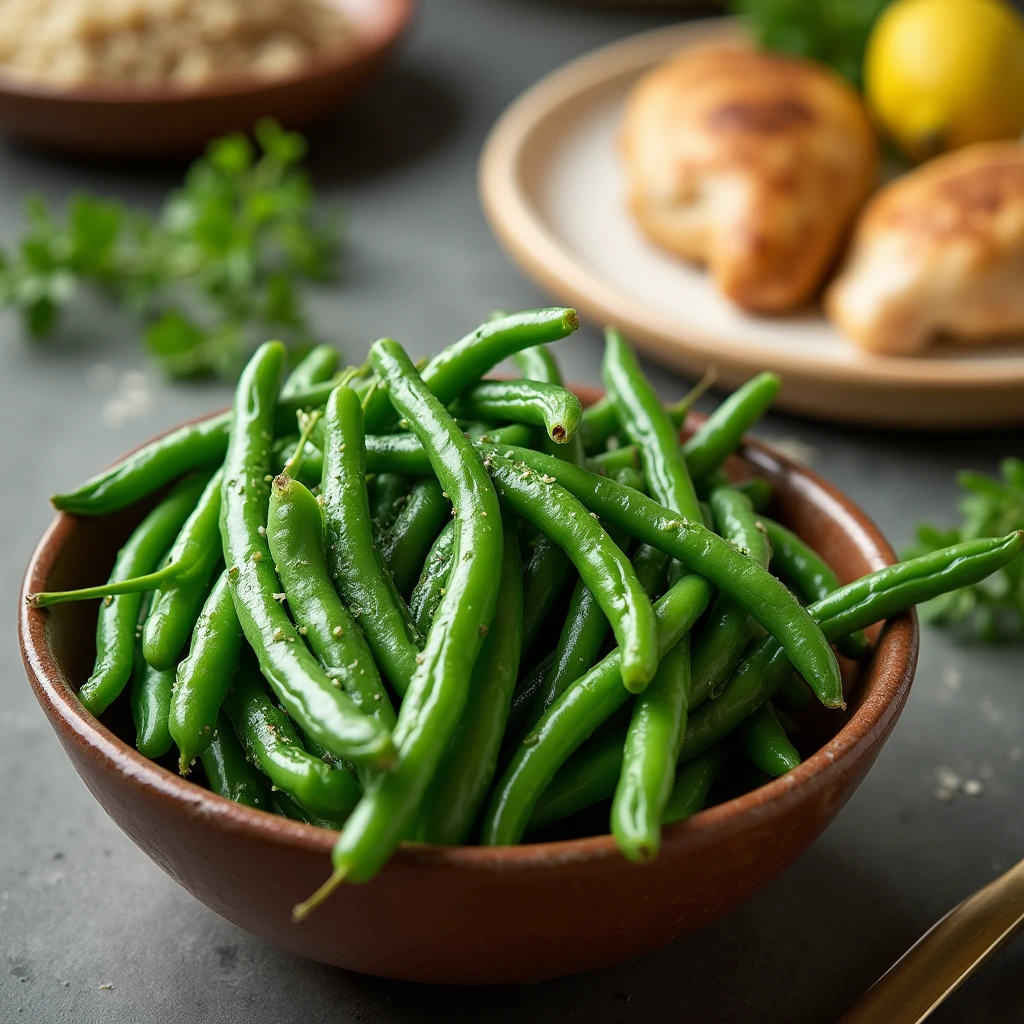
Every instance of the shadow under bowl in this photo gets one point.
(473, 915)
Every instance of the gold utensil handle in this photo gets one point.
(945, 956)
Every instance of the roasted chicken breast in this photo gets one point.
(938, 252)
(751, 163)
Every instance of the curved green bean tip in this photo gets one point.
(302, 910)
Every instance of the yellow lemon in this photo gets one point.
(940, 74)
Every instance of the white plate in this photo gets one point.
(553, 187)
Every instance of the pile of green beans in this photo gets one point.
(419, 605)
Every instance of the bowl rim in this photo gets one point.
(372, 36)
(821, 771)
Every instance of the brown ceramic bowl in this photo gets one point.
(148, 121)
(471, 915)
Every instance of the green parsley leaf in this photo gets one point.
(218, 271)
(992, 610)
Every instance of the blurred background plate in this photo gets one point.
(156, 120)
(553, 188)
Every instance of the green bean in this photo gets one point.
(600, 421)
(546, 571)
(857, 605)
(592, 773)
(118, 616)
(176, 604)
(758, 489)
(229, 772)
(536, 403)
(586, 627)
(467, 768)
(729, 629)
(600, 563)
(649, 427)
(318, 365)
(811, 577)
(751, 586)
(289, 808)
(437, 694)
(463, 363)
(298, 681)
(586, 778)
(414, 530)
(765, 742)
(539, 364)
(403, 454)
(649, 757)
(573, 717)
(608, 463)
(353, 557)
(721, 433)
(390, 492)
(694, 780)
(794, 696)
(195, 446)
(295, 532)
(659, 714)
(272, 743)
(204, 676)
(150, 701)
(630, 477)
(524, 696)
(430, 588)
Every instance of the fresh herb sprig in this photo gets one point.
(994, 609)
(216, 272)
(834, 32)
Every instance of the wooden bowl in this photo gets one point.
(471, 915)
(110, 119)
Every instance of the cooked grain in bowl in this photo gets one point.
(178, 42)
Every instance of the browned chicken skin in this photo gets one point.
(751, 163)
(939, 251)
